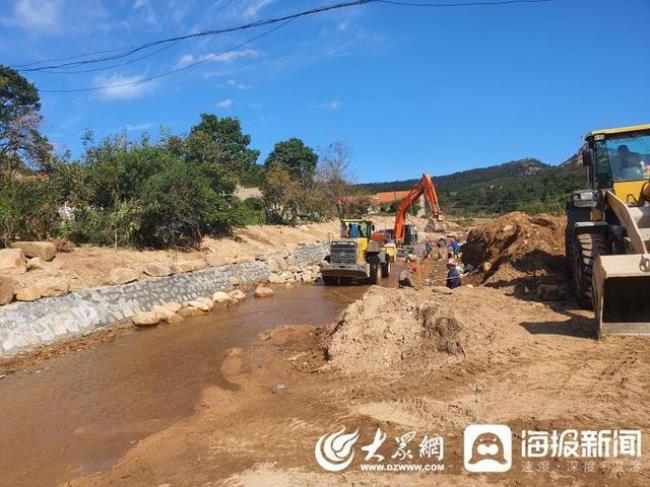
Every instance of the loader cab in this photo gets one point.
(618, 159)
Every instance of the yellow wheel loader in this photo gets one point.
(359, 253)
(608, 230)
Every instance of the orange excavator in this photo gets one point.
(424, 187)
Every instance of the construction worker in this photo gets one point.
(455, 247)
(453, 276)
(406, 276)
(428, 247)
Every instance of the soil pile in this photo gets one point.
(391, 330)
(517, 246)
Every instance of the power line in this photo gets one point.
(127, 51)
(250, 25)
(172, 71)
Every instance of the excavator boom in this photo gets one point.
(424, 187)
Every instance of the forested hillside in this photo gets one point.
(526, 185)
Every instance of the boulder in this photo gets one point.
(35, 263)
(175, 319)
(53, 286)
(189, 311)
(43, 250)
(221, 299)
(204, 304)
(237, 295)
(30, 293)
(277, 265)
(235, 281)
(264, 292)
(276, 279)
(7, 287)
(146, 318)
(123, 275)
(189, 265)
(486, 266)
(158, 269)
(172, 306)
(13, 259)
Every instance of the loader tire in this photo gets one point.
(385, 269)
(586, 248)
(374, 271)
(330, 280)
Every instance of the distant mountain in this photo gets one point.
(525, 185)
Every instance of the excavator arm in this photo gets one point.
(424, 187)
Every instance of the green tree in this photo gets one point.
(21, 144)
(299, 159)
(221, 142)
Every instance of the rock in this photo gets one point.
(275, 279)
(158, 269)
(146, 318)
(221, 299)
(235, 281)
(189, 311)
(204, 304)
(13, 259)
(486, 266)
(279, 389)
(264, 292)
(175, 319)
(237, 295)
(189, 265)
(31, 293)
(43, 250)
(53, 286)
(7, 287)
(123, 275)
(64, 245)
(277, 265)
(441, 290)
(307, 277)
(35, 263)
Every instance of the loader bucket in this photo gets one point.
(621, 290)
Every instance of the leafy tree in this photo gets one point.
(299, 159)
(21, 144)
(332, 175)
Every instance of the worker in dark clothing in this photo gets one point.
(453, 276)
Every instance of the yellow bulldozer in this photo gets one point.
(359, 253)
(608, 230)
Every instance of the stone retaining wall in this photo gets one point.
(27, 325)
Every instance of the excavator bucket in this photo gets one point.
(621, 291)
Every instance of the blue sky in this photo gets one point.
(408, 89)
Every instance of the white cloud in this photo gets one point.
(255, 6)
(38, 13)
(236, 84)
(227, 103)
(118, 87)
(215, 57)
(331, 105)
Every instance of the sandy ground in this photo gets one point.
(407, 360)
(89, 266)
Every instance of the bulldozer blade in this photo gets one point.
(621, 291)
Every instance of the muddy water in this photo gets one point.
(80, 413)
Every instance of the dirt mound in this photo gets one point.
(389, 330)
(517, 246)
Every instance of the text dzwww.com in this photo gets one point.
(402, 467)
